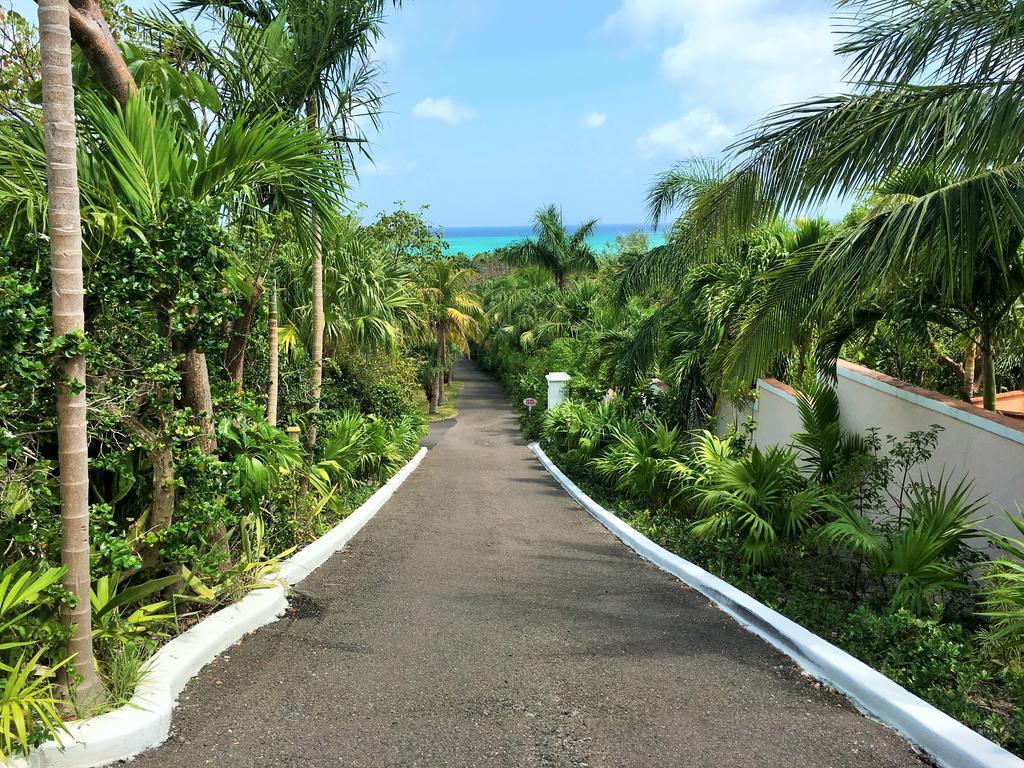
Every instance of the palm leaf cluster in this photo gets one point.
(928, 132)
(554, 248)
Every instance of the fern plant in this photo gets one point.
(759, 498)
(1002, 595)
(824, 445)
(920, 555)
(925, 556)
(640, 462)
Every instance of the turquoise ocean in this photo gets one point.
(474, 240)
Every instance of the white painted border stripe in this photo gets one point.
(936, 406)
(145, 721)
(947, 741)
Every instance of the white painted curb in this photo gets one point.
(949, 742)
(145, 721)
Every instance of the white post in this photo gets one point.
(556, 388)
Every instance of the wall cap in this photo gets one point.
(996, 423)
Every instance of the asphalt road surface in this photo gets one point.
(484, 619)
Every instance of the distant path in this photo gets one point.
(483, 619)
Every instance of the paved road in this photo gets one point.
(483, 619)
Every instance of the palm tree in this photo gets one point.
(139, 162)
(312, 58)
(855, 271)
(936, 89)
(373, 301)
(554, 248)
(65, 228)
(455, 313)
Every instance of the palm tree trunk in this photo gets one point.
(435, 398)
(273, 355)
(317, 352)
(970, 359)
(989, 366)
(234, 355)
(65, 225)
(442, 350)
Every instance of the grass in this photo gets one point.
(446, 411)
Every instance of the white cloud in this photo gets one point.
(740, 58)
(388, 167)
(761, 63)
(387, 51)
(698, 132)
(640, 18)
(644, 18)
(444, 109)
(594, 120)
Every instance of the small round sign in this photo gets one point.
(529, 402)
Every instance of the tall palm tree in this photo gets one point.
(372, 301)
(310, 57)
(455, 313)
(554, 248)
(65, 226)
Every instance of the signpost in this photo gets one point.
(529, 403)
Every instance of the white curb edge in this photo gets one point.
(947, 741)
(145, 721)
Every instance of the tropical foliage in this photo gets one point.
(234, 306)
(876, 549)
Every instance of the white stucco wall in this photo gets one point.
(987, 447)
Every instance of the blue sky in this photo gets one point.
(500, 106)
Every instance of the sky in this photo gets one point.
(498, 107)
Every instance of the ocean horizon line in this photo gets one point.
(472, 240)
(600, 225)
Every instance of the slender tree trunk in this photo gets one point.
(234, 355)
(989, 367)
(317, 353)
(970, 359)
(65, 225)
(429, 392)
(274, 353)
(161, 508)
(196, 395)
(442, 349)
(435, 393)
(91, 32)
